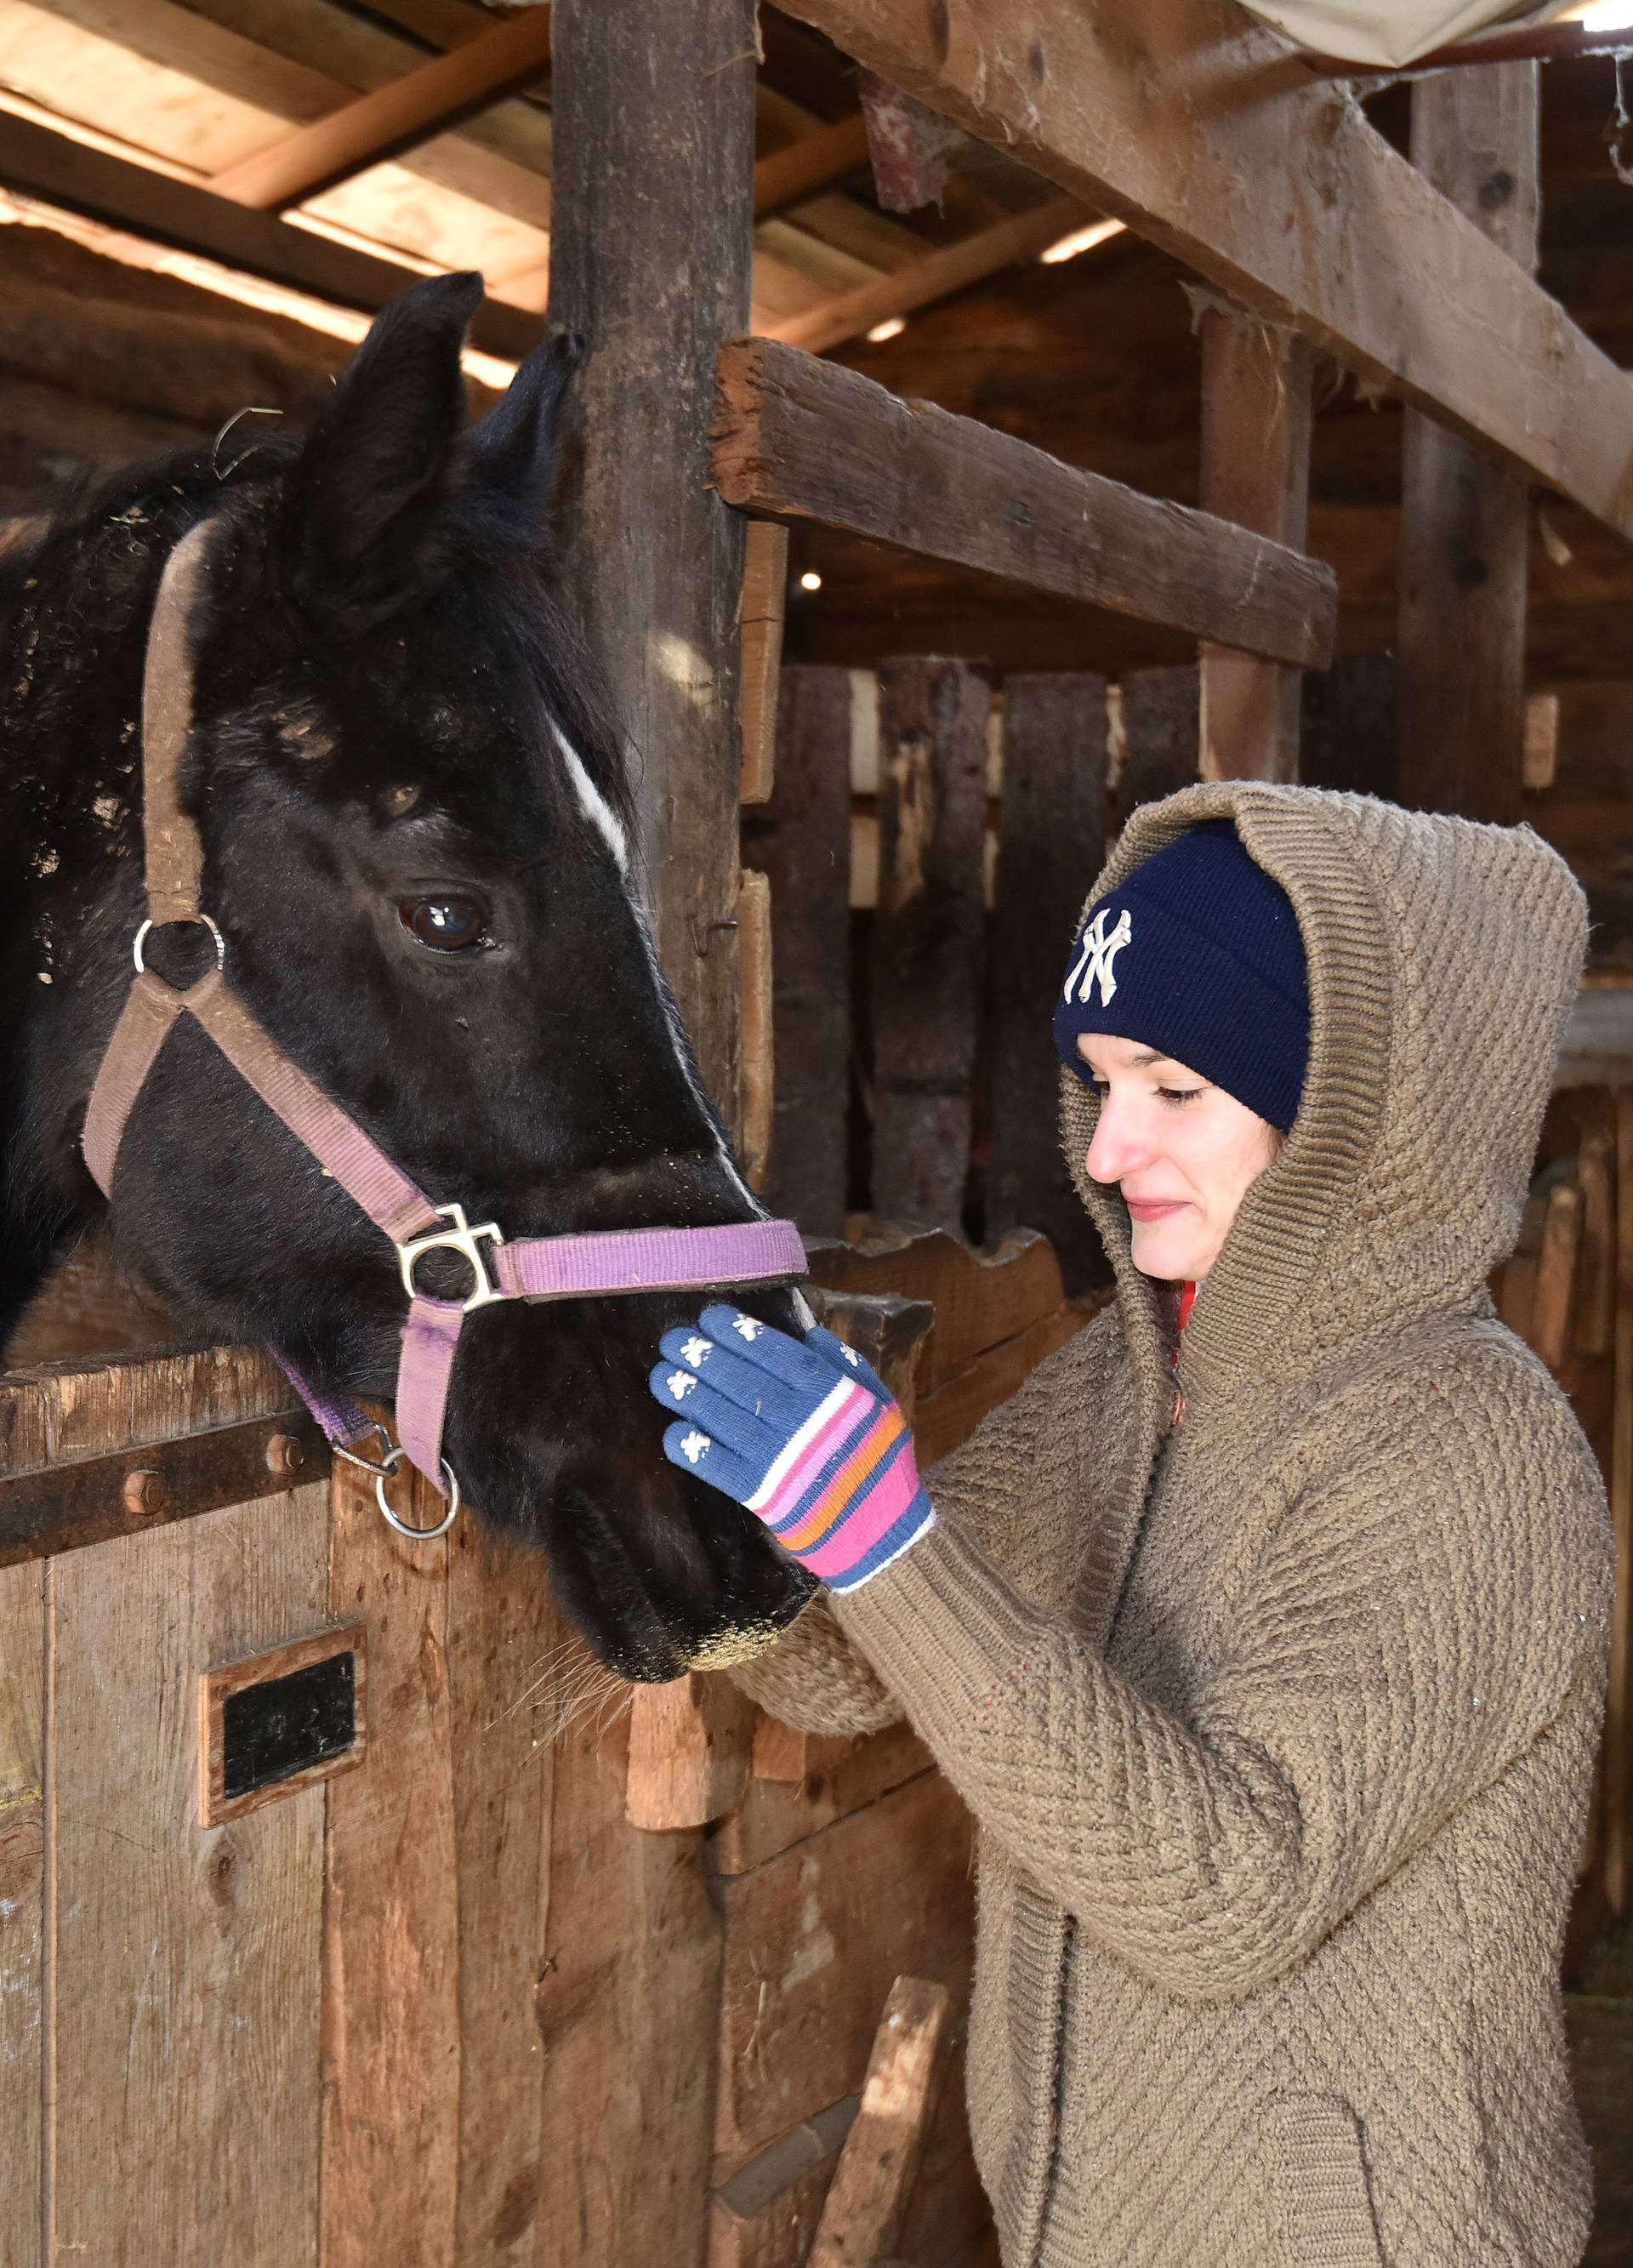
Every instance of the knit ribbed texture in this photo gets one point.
(1279, 1725)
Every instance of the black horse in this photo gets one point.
(416, 832)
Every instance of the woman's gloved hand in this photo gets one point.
(803, 1433)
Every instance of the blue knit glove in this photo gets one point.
(805, 1435)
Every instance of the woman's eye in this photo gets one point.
(450, 925)
(1178, 1094)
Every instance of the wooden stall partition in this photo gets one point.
(22, 1912)
(928, 934)
(1465, 520)
(1051, 845)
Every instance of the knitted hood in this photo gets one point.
(1444, 957)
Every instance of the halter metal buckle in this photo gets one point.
(461, 1238)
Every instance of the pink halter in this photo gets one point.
(596, 1263)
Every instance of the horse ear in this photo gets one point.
(511, 453)
(365, 494)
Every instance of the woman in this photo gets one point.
(1269, 1657)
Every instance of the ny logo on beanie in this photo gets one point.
(1097, 957)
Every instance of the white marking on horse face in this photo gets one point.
(696, 1351)
(679, 1384)
(591, 802)
(695, 1448)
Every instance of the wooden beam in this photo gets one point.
(758, 1086)
(864, 2209)
(1616, 1753)
(1465, 522)
(37, 163)
(765, 591)
(1204, 132)
(409, 110)
(1547, 43)
(1006, 243)
(810, 166)
(797, 439)
(1255, 470)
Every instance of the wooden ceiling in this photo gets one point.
(1093, 358)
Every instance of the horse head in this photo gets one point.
(417, 848)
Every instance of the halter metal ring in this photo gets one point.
(461, 1238)
(221, 943)
(388, 1463)
(417, 1535)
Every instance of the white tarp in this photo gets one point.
(1390, 33)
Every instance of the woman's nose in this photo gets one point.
(1115, 1149)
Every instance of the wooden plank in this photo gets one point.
(1464, 523)
(757, 1075)
(945, 1420)
(1008, 243)
(38, 163)
(1162, 734)
(813, 1940)
(810, 164)
(863, 2215)
(1554, 1298)
(390, 2130)
(1051, 844)
(1596, 1172)
(442, 93)
(929, 935)
(765, 589)
(22, 1912)
(689, 1744)
(1255, 470)
(807, 440)
(59, 1413)
(839, 1773)
(1180, 124)
(1617, 1750)
(765, 2216)
(802, 843)
(183, 1957)
(504, 1638)
(982, 1299)
(1347, 737)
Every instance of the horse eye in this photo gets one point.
(450, 925)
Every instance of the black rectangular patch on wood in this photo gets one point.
(286, 1725)
(279, 1721)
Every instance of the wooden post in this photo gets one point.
(1464, 520)
(927, 942)
(862, 2216)
(765, 590)
(1255, 470)
(1051, 845)
(758, 1088)
(1618, 1746)
(1161, 732)
(802, 844)
(654, 153)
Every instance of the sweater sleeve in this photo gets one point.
(813, 1677)
(1422, 1612)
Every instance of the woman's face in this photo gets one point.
(1182, 1151)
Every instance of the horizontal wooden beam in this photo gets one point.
(1006, 243)
(811, 165)
(36, 162)
(1206, 134)
(798, 439)
(407, 111)
(1543, 43)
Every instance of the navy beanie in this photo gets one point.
(1197, 952)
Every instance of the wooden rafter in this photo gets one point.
(440, 94)
(35, 162)
(1204, 131)
(797, 438)
(809, 165)
(1023, 236)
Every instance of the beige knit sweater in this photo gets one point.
(1278, 1724)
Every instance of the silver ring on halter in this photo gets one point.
(417, 1535)
(387, 1466)
(221, 943)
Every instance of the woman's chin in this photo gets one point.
(1169, 1257)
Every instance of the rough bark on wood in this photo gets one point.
(879, 2162)
(1051, 845)
(928, 936)
(802, 842)
(809, 441)
(1255, 470)
(1465, 521)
